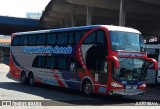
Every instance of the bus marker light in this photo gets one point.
(143, 85)
(114, 84)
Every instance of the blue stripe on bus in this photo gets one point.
(73, 84)
(67, 75)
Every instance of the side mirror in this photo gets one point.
(154, 63)
(115, 60)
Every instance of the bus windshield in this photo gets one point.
(131, 69)
(127, 41)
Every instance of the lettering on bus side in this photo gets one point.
(48, 50)
(130, 54)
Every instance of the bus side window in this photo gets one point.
(100, 37)
(44, 62)
(23, 40)
(40, 39)
(71, 64)
(78, 35)
(51, 39)
(32, 40)
(50, 62)
(16, 40)
(62, 38)
(53, 61)
(101, 40)
(90, 39)
(85, 31)
(41, 62)
(71, 38)
(62, 63)
(35, 62)
(102, 65)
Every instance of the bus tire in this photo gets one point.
(31, 79)
(87, 87)
(23, 78)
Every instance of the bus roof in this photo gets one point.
(120, 28)
(109, 27)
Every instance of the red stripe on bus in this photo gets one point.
(60, 83)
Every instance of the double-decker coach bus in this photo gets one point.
(101, 59)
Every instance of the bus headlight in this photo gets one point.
(114, 84)
(143, 85)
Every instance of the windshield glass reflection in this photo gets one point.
(127, 41)
(131, 69)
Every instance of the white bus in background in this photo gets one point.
(153, 51)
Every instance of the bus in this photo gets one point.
(103, 59)
(153, 51)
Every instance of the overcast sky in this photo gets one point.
(19, 8)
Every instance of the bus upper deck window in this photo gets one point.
(100, 36)
(41, 39)
(16, 40)
(62, 38)
(32, 40)
(51, 39)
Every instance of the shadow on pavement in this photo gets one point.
(64, 95)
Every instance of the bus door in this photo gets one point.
(94, 51)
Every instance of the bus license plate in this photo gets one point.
(129, 92)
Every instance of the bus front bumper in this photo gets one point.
(127, 92)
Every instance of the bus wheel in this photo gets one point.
(87, 87)
(31, 79)
(23, 78)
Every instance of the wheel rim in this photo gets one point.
(87, 88)
(31, 80)
(23, 78)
